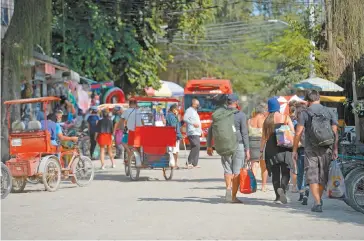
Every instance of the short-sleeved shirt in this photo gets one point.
(133, 117)
(92, 120)
(305, 120)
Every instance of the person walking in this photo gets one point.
(194, 132)
(277, 158)
(321, 145)
(292, 114)
(172, 120)
(118, 131)
(301, 184)
(132, 118)
(232, 164)
(92, 120)
(255, 126)
(104, 131)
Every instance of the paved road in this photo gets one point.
(188, 207)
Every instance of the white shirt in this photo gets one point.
(132, 116)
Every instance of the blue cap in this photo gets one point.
(273, 105)
(93, 108)
(233, 97)
(117, 108)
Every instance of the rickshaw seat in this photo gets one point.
(18, 126)
(34, 125)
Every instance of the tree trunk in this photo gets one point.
(10, 89)
(328, 7)
(355, 100)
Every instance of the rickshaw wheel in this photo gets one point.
(6, 181)
(83, 171)
(52, 175)
(134, 171)
(168, 173)
(126, 165)
(18, 184)
(347, 200)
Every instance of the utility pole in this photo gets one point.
(312, 25)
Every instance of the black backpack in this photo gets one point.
(320, 129)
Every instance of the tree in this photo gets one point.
(348, 36)
(30, 26)
(116, 40)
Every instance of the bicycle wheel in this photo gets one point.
(168, 173)
(83, 171)
(134, 171)
(355, 190)
(52, 175)
(6, 181)
(126, 165)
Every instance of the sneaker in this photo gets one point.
(316, 208)
(301, 197)
(304, 200)
(282, 196)
(228, 195)
(113, 166)
(103, 167)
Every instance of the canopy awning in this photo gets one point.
(318, 84)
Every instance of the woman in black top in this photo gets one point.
(277, 158)
(103, 136)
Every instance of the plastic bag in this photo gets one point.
(172, 162)
(336, 184)
(248, 183)
(96, 153)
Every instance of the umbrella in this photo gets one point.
(168, 89)
(318, 84)
(284, 102)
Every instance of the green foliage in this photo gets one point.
(117, 40)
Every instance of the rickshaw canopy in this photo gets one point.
(32, 100)
(153, 99)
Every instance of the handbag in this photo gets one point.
(248, 183)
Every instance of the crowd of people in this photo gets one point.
(305, 163)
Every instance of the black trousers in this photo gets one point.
(92, 144)
(280, 177)
(195, 150)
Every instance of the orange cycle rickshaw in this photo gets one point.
(33, 156)
(150, 144)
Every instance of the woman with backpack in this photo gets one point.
(277, 157)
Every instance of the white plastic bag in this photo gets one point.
(336, 184)
(172, 162)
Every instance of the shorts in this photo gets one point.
(125, 138)
(174, 149)
(104, 139)
(233, 164)
(317, 164)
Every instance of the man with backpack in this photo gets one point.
(231, 141)
(321, 145)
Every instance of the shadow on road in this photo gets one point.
(216, 200)
(330, 210)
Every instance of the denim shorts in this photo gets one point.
(233, 164)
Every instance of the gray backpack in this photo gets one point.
(320, 129)
(224, 132)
